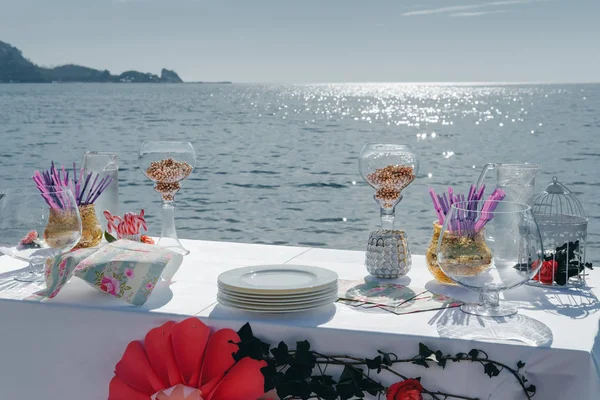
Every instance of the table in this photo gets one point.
(67, 347)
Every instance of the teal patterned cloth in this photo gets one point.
(124, 269)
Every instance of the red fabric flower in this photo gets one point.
(31, 236)
(146, 239)
(546, 274)
(409, 389)
(186, 353)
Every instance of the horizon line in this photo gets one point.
(406, 83)
(419, 82)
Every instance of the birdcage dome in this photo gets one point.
(558, 205)
(563, 228)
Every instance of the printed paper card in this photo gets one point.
(391, 297)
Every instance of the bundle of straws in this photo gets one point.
(85, 189)
(468, 218)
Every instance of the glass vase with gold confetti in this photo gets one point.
(91, 232)
(388, 168)
(61, 221)
(431, 256)
(86, 188)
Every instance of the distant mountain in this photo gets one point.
(16, 68)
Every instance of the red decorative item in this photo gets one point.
(129, 224)
(29, 238)
(409, 389)
(177, 358)
(146, 239)
(546, 274)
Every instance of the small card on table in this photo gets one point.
(391, 297)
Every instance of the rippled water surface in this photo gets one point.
(278, 163)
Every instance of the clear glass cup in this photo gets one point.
(104, 163)
(36, 226)
(493, 256)
(167, 164)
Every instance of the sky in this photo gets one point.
(303, 41)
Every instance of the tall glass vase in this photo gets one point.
(167, 164)
(104, 163)
(388, 168)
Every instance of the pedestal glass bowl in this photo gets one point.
(34, 227)
(388, 168)
(167, 164)
(489, 247)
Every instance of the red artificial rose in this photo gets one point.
(409, 395)
(546, 274)
(409, 389)
(146, 239)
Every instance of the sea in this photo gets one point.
(278, 163)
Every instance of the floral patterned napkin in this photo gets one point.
(124, 269)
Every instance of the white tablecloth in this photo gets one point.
(66, 348)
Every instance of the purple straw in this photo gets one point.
(95, 189)
(87, 180)
(437, 207)
(101, 189)
(480, 192)
(91, 191)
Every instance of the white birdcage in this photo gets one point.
(563, 226)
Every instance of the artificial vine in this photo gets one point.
(302, 373)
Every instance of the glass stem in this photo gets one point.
(32, 268)
(168, 220)
(387, 218)
(489, 299)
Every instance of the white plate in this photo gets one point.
(269, 299)
(274, 311)
(280, 279)
(256, 308)
(272, 296)
(325, 300)
(284, 302)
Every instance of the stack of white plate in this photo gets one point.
(277, 288)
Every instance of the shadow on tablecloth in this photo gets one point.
(311, 318)
(456, 324)
(79, 292)
(15, 290)
(575, 303)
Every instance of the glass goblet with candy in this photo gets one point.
(167, 164)
(388, 168)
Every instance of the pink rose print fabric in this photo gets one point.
(124, 269)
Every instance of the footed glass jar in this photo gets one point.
(431, 256)
(387, 254)
(91, 231)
